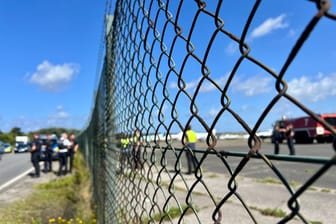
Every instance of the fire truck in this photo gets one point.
(307, 129)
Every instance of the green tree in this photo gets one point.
(16, 131)
(6, 138)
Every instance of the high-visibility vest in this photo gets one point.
(124, 142)
(136, 139)
(191, 135)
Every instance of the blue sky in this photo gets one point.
(49, 54)
(272, 34)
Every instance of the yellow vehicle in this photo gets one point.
(6, 148)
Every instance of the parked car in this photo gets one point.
(43, 139)
(6, 148)
(21, 147)
(55, 150)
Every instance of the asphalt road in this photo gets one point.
(293, 172)
(13, 165)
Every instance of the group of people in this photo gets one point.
(67, 147)
(282, 131)
(131, 151)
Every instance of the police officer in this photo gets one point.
(137, 150)
(49, 151)
(63, 145)
(290, 139)
(124, 156)
(72, 150)
(190, 140)
(35, 154)
(283, 131)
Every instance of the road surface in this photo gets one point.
(13, 165)
(294, 172)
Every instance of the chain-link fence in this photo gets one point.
(167, 65)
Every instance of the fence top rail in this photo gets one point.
(287, 158)
(278, 157)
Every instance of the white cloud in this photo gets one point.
(53, 77)
(26, 124)
(232, 48)
(188, 85)
(173, 85)
(59, 117)
(313, 89)
(206, 86)
(212, 113)
(269, 25)
(292, 33)
(192, 84)
(253, 86)
(60, 108)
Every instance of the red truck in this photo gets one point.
(307, 129)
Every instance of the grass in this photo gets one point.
(273, 212)
(172, 213)
(326, 190)
(310, 171)
(293, 184)
(214, 175)
(269, 181)
(277, 212)
(64, 200)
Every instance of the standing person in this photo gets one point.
(49, 151)
(283, 131)
(137, 150)
(276, 138)
(124, 152)
(72, 150)
(289, 137)
(278, 135)
(63, 145)
(190, 141)
(35, 154)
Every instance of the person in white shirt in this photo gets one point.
(63, 145)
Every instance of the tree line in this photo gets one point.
(9, 137)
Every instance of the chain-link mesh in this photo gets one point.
(153, 52)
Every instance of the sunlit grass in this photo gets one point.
(268, 181)
(277, 212)
(172, 213)
(63, 200)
